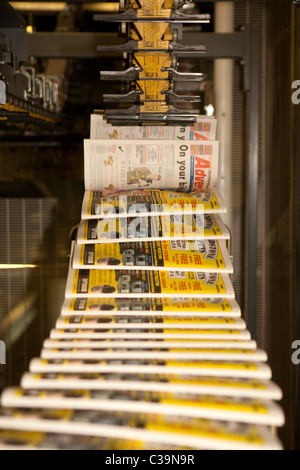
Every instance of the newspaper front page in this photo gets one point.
(176, 165)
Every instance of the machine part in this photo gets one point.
(132, 73)
(132, 46)
(134, 15)
(152, 119)
(174, 98)
(36, 90)
(137, 111)
(131, 97)
(153, 28)
(183, 77)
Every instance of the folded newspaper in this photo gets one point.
(159, 333)
(173, 227)
(92, 343)
(179, 255)
(150, 202)
(135, 321)
(195, 433)
(133, 164)
(188, 404)
(233, 369)
(135, 283)
(36, 440)
(203, 129)
(156, 353)
(248, 388)
(154, 306)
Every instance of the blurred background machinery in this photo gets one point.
(51, 57)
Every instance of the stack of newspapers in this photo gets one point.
(150, 350)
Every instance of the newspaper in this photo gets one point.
(179, 255)
(34, 440)
(164, 334)
(132, 283)
(135, 321)
(149, 202)
(132, 164)
(203, 129)
(155, 306)
(248, 388)
(245, 410)
(90, 343)
(195, 433)
(174, 227)
(233, 369)
(167, 354)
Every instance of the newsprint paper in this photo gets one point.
(125, 164)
